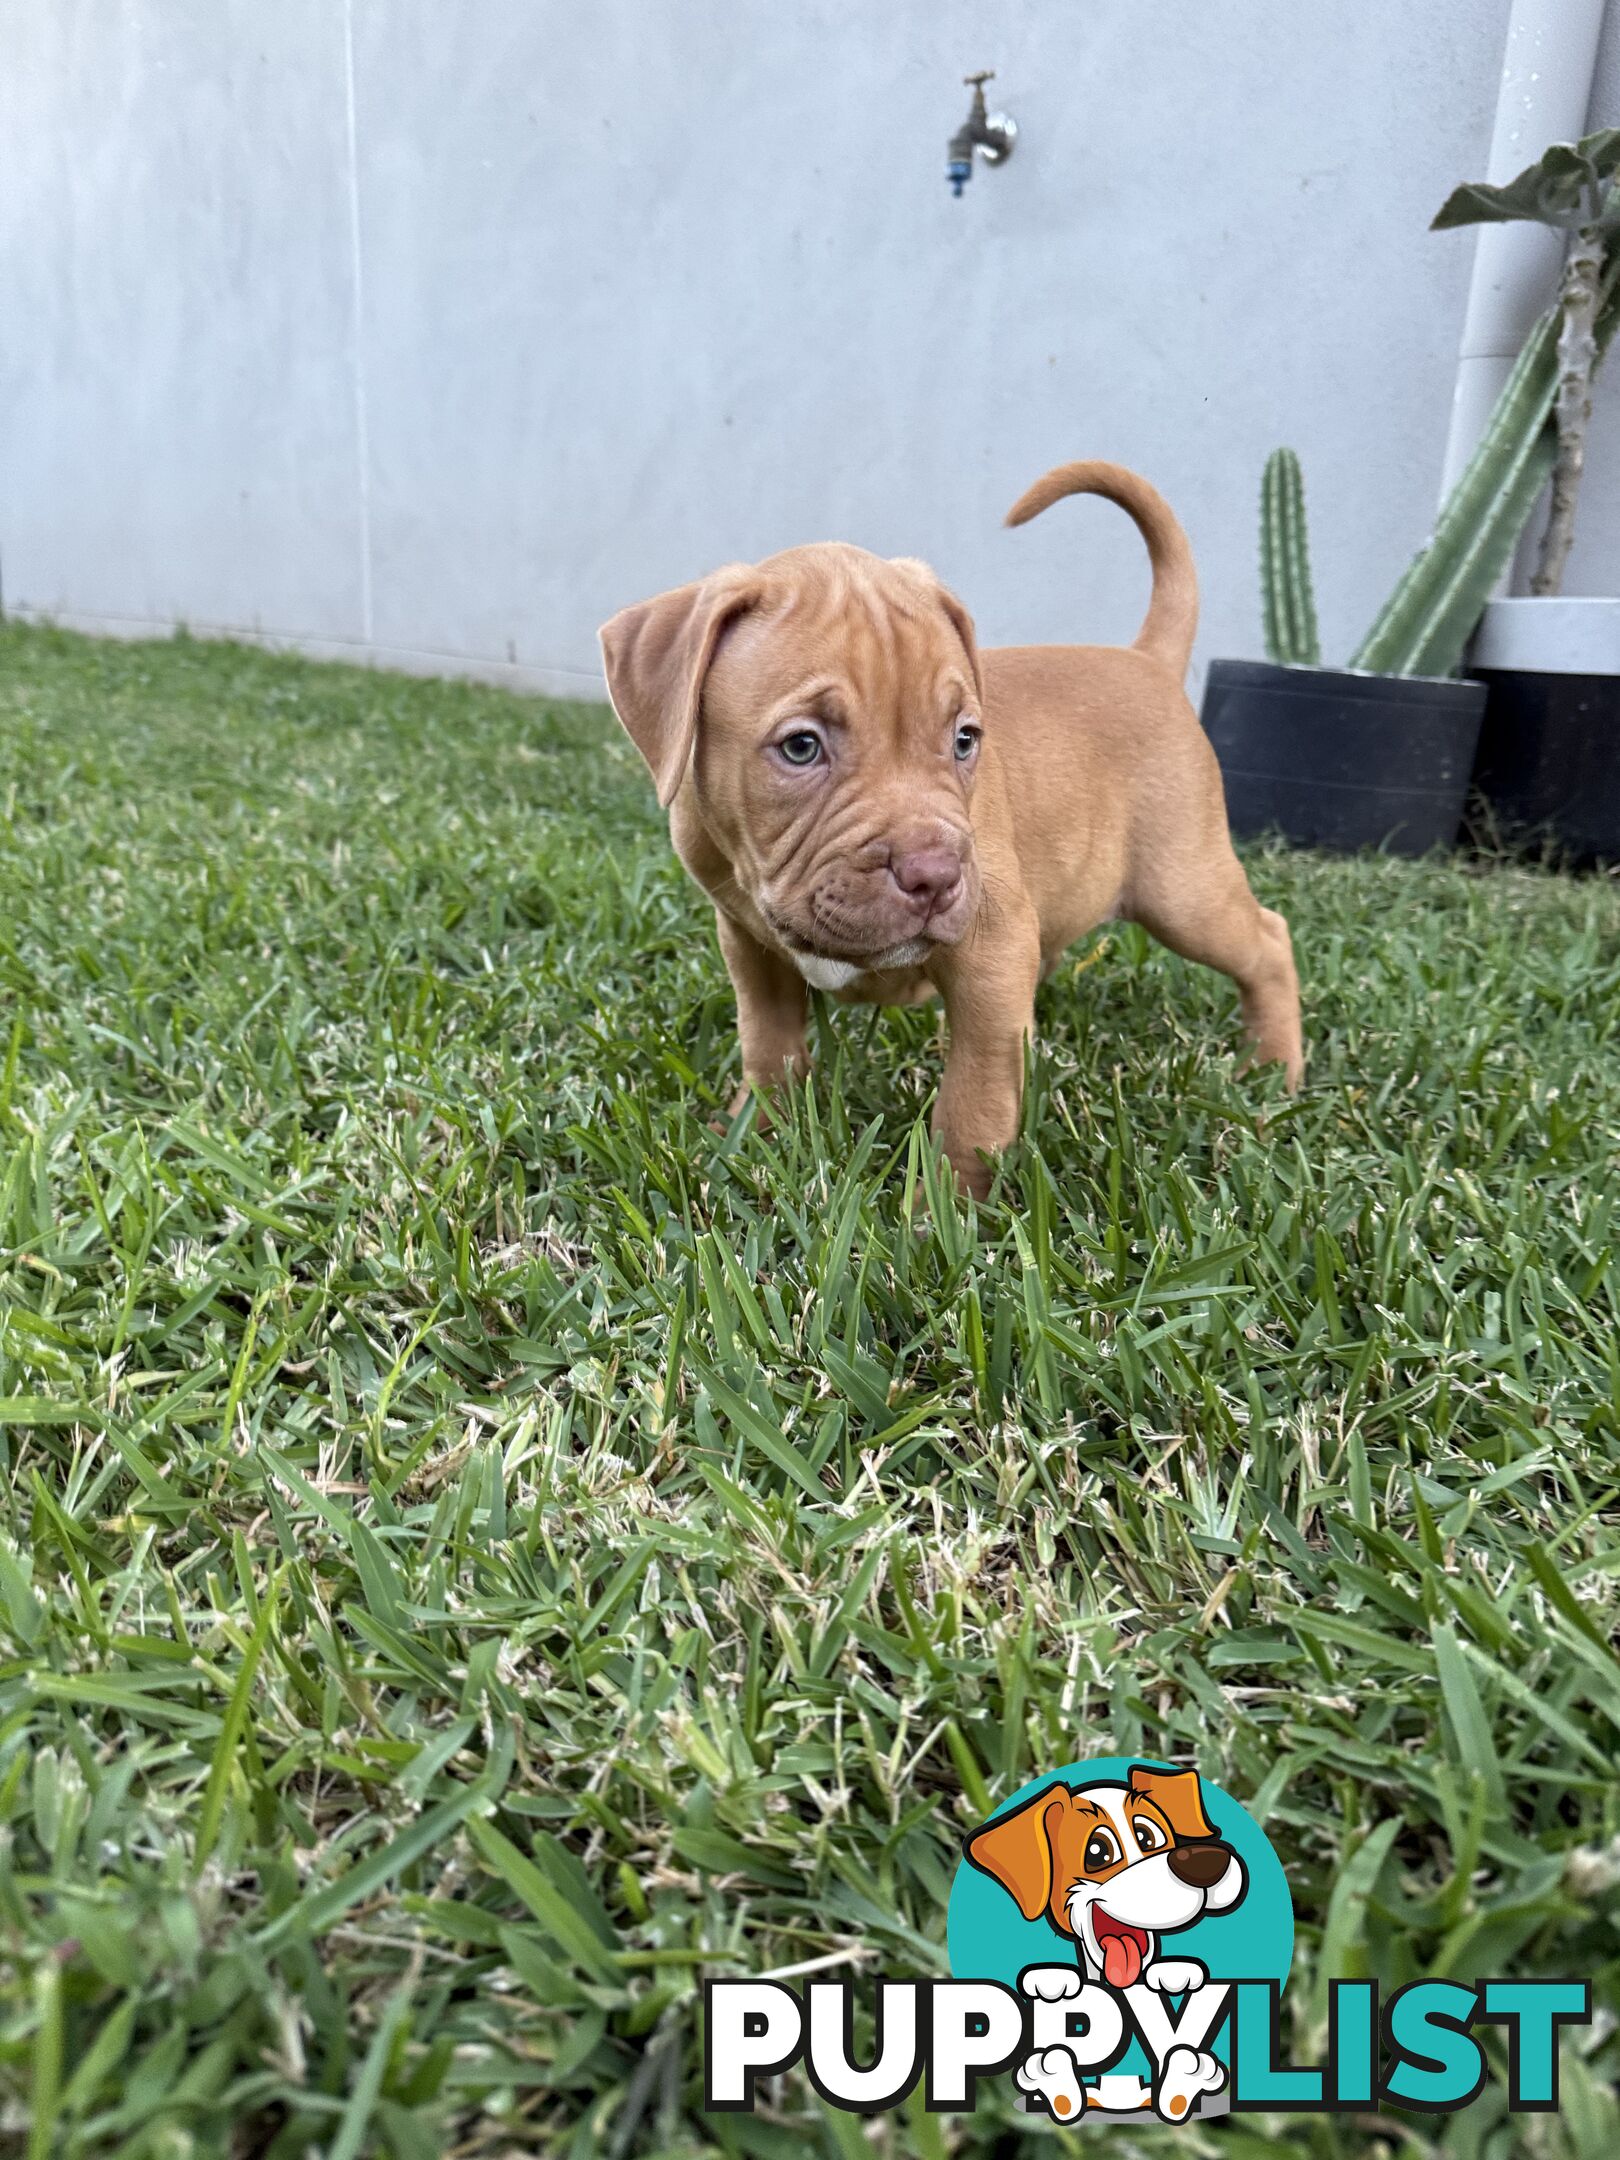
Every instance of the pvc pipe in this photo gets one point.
(1547, 73)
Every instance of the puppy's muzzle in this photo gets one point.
(1200, 1866)
(930, 877)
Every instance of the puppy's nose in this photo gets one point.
(927, 875)
(1199, 1866)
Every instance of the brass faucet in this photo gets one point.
(991, 134)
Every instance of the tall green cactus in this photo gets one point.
(1285, 564)
(1427, 621)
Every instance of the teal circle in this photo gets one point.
(988, 1938)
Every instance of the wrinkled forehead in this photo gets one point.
(842, 627)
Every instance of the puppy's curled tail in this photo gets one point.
(1172, 617)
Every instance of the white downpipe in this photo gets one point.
(1546, 89)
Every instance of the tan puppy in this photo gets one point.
(880, 810)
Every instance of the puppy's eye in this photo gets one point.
(967, 740)
(1148, 1834)
(1100, 1852)
(802, 747)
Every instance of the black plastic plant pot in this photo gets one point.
(1342, 761)
(1548, 769)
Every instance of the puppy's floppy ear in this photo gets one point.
(963, 622)
(1017, 1849)
(960, 620)
(1178, 1796)
(656, 655)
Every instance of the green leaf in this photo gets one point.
(1470, 1727)
(43, 1410)
(313, 1914)
(230, 1732)
(718, 1854)
(350, 2140)
(572, 1933)
(1558, 189)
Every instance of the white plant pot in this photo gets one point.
(1549, 637)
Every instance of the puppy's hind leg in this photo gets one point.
(1200, 906)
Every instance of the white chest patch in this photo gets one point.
(823, 974)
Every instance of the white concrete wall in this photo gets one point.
(439, 332)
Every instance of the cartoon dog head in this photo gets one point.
(1114, 1866)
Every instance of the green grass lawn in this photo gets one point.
(485, 1549)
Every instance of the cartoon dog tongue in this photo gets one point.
(1122, 1960)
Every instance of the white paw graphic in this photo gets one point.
(1174, 1976)
(1053, 2075)
(1185, 2078)
(1051, 1983)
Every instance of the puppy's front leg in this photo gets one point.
(990, 1004)
(771, 1006)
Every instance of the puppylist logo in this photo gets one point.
(1120, 1934)
(1125, 1898)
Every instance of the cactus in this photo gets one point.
(1285, 564)
(1424, 626)
(1427, 621)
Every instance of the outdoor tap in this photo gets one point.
(991, 134)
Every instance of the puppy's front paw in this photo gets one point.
(757, 1092)
(1174, 1976)
(1054, 2075)
(1051, 1983)
(1187, 2075)
(762, 1081)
